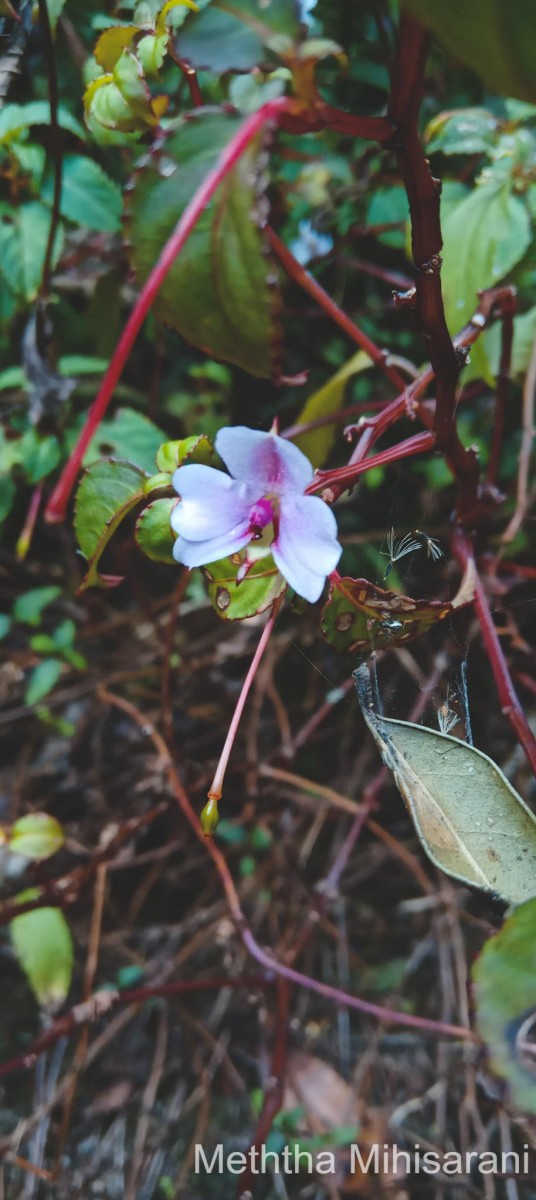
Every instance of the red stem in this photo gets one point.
(343, 477)
(57, 504)
(310, 285)
(511, 706)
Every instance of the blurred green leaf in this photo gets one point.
(15, 118)
(234, 36)
(88, 196)
(465, 131)
(503, 981)
(221, 292)
(42, 679)
(524, 335)
(127, 435)
(23, 243)
(36, 835)
(43, 945)
(29, 606)
(497, 41)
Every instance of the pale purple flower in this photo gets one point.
(261, 501)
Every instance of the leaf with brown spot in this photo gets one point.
(237, 600)
(360, 617)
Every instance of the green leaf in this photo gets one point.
(493, 38)
(361, 617)
(37, 835)
(127, 435)
(43, 945)
(54, 12)
(29, 606)
(5, 625)
(470, 821)
(466, 131)
(42, 679)
(15, 118)
(233, 35)
(503, 981)
(23, 243)
(88, 196)
(197, 449)
(39, 455)
(220, 294)
(389, 206)
(524, 335)
(234, 601)
(108, 491)
(153, 531)
(483, 237)
(318, 443)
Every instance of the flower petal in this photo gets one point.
(199, 554)
(263, 460)
(306, 549)
(210, 504)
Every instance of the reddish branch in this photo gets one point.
(302, 277)
(57, 504)
(424, 193)
(101, 1003)
(263, 957)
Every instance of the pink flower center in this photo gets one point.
(261, 515)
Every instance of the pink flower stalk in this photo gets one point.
(261, 501)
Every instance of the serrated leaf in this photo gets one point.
(503, 981)
(43, 945)
(466, 131)
(358, 616)
(233, 35)
(108, 491)
(23, 243)
(153, 531)
(15, 118)
(470, 820)
(88, 196)
(220, 292)
(489, 36)
(235, 601)
(127, 435)
(36, 835)
(42, 679)
(317, 443)
(483, 238)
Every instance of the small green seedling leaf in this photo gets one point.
(42, 679)
(503, 980)
(153, 531)
(108, 491)
(37, 835)
(43, 945)
(29, 607)
(220, 293)
(234, 601)
(470, 821)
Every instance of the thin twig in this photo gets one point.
(527, 436)
(55, 141)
